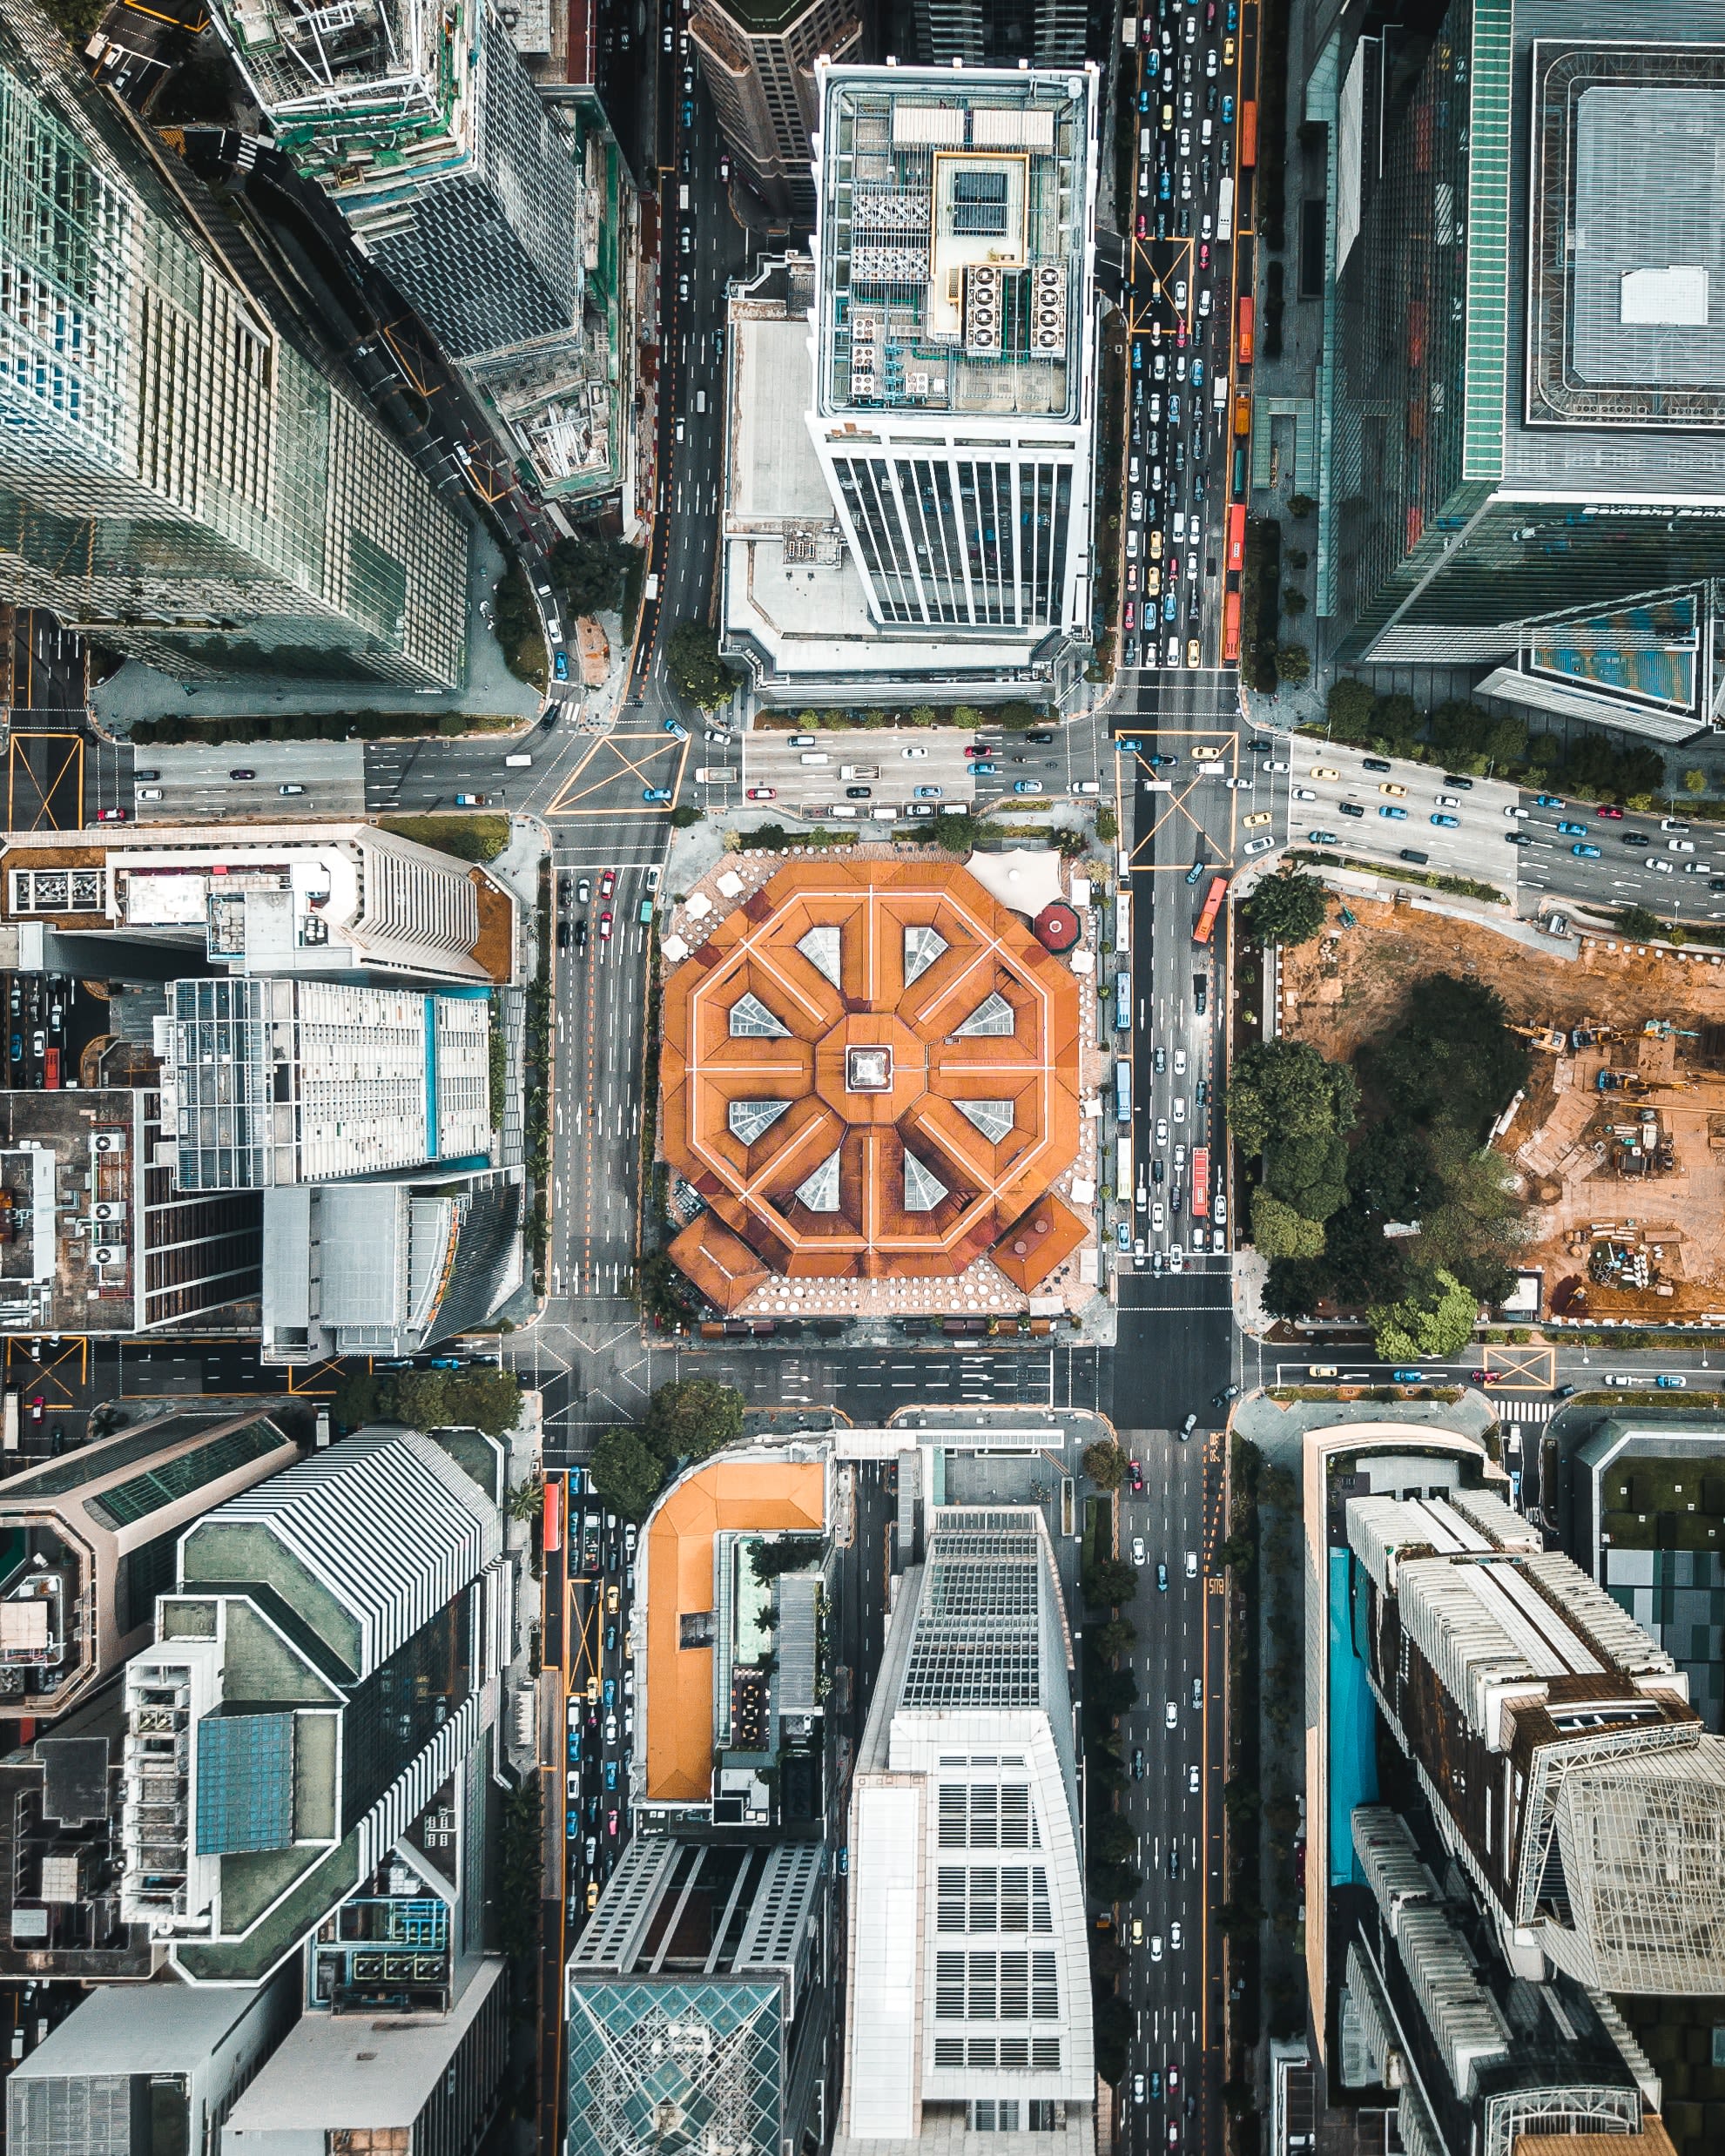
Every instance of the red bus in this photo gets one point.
(1236, 535)
(1218, 887)
(1200, 1182)
(1248, 155)
(552, 1524)
(51, 1067)
(1230, 630)
(1244, 341)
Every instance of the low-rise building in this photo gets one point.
(90, 1542)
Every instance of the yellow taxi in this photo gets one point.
(1205, 756)
(1195, 653)
(1323, 771)
(610, 1598)
(1254, 823)
(1153, 581)
(1228, 52)
(1156, 546)
(1390, 788)
(592, 1894)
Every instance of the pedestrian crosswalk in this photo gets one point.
(1514, 1410)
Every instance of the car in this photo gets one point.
(1161, 1130)
(1123, 1237)
(112, 815)
(718, 734)
(1156, 1946)
(1516, 837)
(1137, 2088)
(606, 925)
(38, 1043)
(1660, 868)
(611, 1773)
(1448, 800)
(1192, 1781)
(656, 793)
(1160, 762)
(762, 793)
(284, 790)
(469, 800)
(1680, 846)
(919, 808)
(1373, 763)
(1446, 823)
(1174, 1938)
(1195, 655)
(1634, 838)
(1138, 1557)
(1672, 823)
(1305, 793)
(1256, 821)
(611, 1818)
(1586, 852)
(1609, 809)
(1137, 1765)
(1395, 791)
(242, 774)
(1349, 808)
(1191, 1564)
(1197, 1692)
(1083, 788)
(1188, 1427)
(1322, 838)
(1516, 809)
(154, 793)
(1196, 871)
(1572, 830)
(583, 890)
(1396, 815)
(860, 793)
(985, 771)
(1323, 771)
(677, 730)
(1671, 1382)
(1161, 1059)
(1254, 846)
(927, 793)
(1041, 738)
(560, 665)
(1173, 2083)
(1027, 785)
(1137, 1475)
(916, 753)
(1158, 1218)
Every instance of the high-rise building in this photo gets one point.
(97, 1238)
(273, 1082)
(940, 531)
(1522, 463)
(702, 1989)
(999, 33)
(484, 204)
(330, 899)
(140, 2069)
(760, 64)
(89, 1541)
(427, 2086)
(322, 1680)
(967, 1999)
(389, 1266)
(183, 472)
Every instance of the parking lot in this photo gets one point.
(288, 779)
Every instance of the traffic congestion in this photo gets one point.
(600, 1704)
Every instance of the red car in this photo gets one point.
(724, 165)
(1607, 808)
(1143, 226)
(1137, 1477)
(1483, 1377)
(35, 1407)
(762, 793)
(975, 748)
(611, 1824)
(1180, 334)
(111, 816)
(608, 883)
(605, 926)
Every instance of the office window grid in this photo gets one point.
(987, 1815)
(1035, 2054)
(1011, 1899)
(986, 1984)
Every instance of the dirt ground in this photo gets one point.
(1591, 1181)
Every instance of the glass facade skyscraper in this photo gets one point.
(179, 474)
(1526, 415)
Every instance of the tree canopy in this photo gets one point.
(1105, 1464)
(430, 1400)
(589, 568)
(691, 653)
(1285, 1089)
(1309, 1173)
(1436, 1317)
(1109, 1583)
(626, 1472)
(1279, 1231)
(692, 1418)
(1451, 1055)
(1287, 908)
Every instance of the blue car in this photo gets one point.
(1407, 1377)
(656, 793)
(1162, 1579)
(1144, 100)
(927, 793)
(1321, 838)
(611, 1773)
(1163, 763)
(1547, 800)
(1170, 607)
(1126, 746)
(677, 730)
(1137, 357)
(1573, 831)
(1447, 823)
(560, 665)
(1227, 110)
(1395, 815)
(574, 1742)
(1166, 187)
(1173, 410)
(1197, 374)
(1152, 68)
(572, 1824)
(1027, 785)
(610, 1691)
(985, 771)
(1585, 853)
(1670, 1384)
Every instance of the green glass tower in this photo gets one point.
(184, 474)
(1525, 451)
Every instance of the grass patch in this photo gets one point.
(1454, 887)
(468, 838)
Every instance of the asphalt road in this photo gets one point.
(328, 779)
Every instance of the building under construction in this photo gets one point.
(495, 214)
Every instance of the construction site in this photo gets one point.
(1619, 1135)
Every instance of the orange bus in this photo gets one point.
(51, 1068)
(1230, 630)
(1248, 134)
(553, 1522)
(1212, 906)
(1242, 415)
(1245, 341)
(1236, 535)
(1200, 1183)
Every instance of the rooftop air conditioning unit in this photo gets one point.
(107, 1211)
(108, 1254)
(110, 1142)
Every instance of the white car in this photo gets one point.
(1156, 1946)
(911, 754)
(1174, 1938)
(1179, 1108)
(1180, 295)
(1660, 868)
(1305, 793)
(1137, 1549)
(1176, 1259)
(1448, 800)
(1180, 1062)
(1161, 1130)
(1672, 823)
(1191, 1564)
(1516, 809)
(1680, 846)
(1158, 1217)
(1192, 1778)
(1253, 847)
(1170, 1716)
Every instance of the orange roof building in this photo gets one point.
(870, 1068)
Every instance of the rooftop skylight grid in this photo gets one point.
(978, 1637)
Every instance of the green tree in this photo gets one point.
(691, 653)
(1279, 1231)
(691, 1417)
(1117, 1636)
(625, 1472)
(1113, 1839)
(1451, 1055)
(1017, 718)
(355, 1402)
(1349, 709)
(1436, 1317)
(1293, 662)
(1294, 601)
(1396, 721)
(1295, 1286)
(956, 830)
(923, 715)
(1301, 505)
(421, 1399)
(1285, 1089)
(589, 568)
(1109, 1584)
(1108, 1690)
(1105, 1464)
(684, 816)
(1309, 1173)
(1289, 907)
(1694, 782)
(1640, 924)
(1471, 1222)
(1107, 826)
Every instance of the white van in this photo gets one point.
(844, 808)
(1179, 526)
(700, 400)
(814, 756)
(519, 763)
